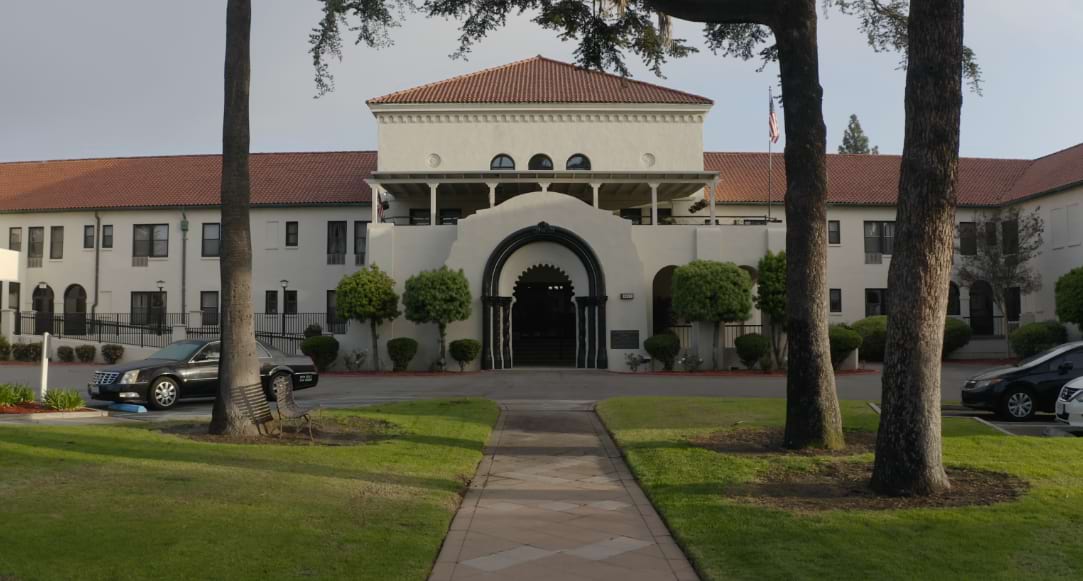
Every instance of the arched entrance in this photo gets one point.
(42, 303)
(543, 319)
(590, 312)
(981, 308)
(75, 310)
(662, 311)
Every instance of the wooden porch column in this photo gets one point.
(596, 187)
(432, 204)
(654, 203)
(492, 194)
(711, 190)
(375, 206)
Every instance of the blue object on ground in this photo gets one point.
(128, 407)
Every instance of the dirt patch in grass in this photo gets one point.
(757, 440)
(841, 485)
(337, 431)
(35, 408)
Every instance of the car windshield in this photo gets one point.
(177, 351)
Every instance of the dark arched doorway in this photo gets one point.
(662, 291)
(981, 308)
(75, 310)
(42, 303)
(590, 311)
(543, 319)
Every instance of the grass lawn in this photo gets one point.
(1037, 537)
(108, 502)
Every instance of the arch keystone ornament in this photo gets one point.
(590, 309)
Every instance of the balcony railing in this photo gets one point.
(33, 262)
(336, 259)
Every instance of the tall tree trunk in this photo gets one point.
(238, 366)
(812, 407)
(443, 346)
(373, 325)
(717, 328)
(908, 447)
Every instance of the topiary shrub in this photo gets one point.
(844, 339)
(1033, 338)
(957, 334)
(1069, 297)
(112, 352)
(322, 349)
(86, 353)
(752, 348)
(30, 352)
(663, 347)
(313, 330)
(464, 351)
(401, 351)
(63, 399)
(65, 353)
(5, 349)
(873, 332)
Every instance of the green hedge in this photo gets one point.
(401, 351)
(63, 399)
(86, 353)
(844, 339)
(323, 349)
(873, 332)
(65, 353)
(30, 352)
(5, 349)
(112, 352)
(464, 351)
(663, 347)
(752, 348)
(13, 394)
(1033, 338)
(957, 334)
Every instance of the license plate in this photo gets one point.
(93, 389)
(304, 378)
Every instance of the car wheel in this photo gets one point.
(280, 378)
(1018, 404)
(163, 393)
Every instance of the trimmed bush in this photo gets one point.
(14, 394)
(957, 334)
(1069, 297)
(65, 353)
(30, 352)
(5, 349)
(663, 347)
(752, 348)
(844, 339)
(313, 330)
(63, 399)
(401, 351)
(1033, 338)
(86, 353)
(112, 352)
(322, 349)
(873, 332)
(464, 351)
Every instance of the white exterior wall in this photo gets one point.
(1062, 246)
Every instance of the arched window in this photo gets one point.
(502, 161)
(578, 162)
(540, 162)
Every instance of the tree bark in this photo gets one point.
(812, 407)
(238, 366)
(908, 447)
(375, 344)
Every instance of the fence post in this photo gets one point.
(44, 365)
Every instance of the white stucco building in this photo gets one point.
(562, 194)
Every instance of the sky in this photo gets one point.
(144, 77)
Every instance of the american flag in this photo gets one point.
(772, 119)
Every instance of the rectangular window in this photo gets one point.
(148, 308)
(665, 215)
(336, 238)
(836, 300)
(834, 232)
(450, 216)
(15, 239)
(37, 242)
(360, 241)
(633, 215)
(13, 296)
(208, 307)
(270, 235)
(1058, 219)
(289, 302)
(990, 233)
(150, 240)
(56, 242)
(270, 302)
(292, 234)
(875, 301)
(1013, 303)
(420, 217)
(1073, 226)
(88, 236)
(968, 238)
(873, 234)
(1009, 236)
(212, 239)
(107, 236)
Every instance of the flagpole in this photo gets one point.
(770, 156)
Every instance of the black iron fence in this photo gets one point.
(730, 333)
(282, 331)
(990, 326)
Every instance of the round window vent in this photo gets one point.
(433, 160)
(647, 159)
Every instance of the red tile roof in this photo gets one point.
(1051, 172)
(861, 179)
(540, 80)
(187, 180)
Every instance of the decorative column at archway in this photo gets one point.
(496, 332)
(592, 352)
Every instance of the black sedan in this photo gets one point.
(1019, 391)
(187, 369)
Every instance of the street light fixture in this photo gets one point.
(285, 283)
(161, 304)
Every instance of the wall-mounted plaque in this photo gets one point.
(624, 339)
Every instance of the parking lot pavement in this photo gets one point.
(1041, 425)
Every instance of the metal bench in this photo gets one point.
(288, 410)
(252, 401)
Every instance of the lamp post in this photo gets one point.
(161, 304)
(285, 283)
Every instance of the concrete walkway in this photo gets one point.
(554, 500)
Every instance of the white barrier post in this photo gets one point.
(44, 365)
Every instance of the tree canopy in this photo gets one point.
(438, 296)
(369, 295)
(854, 139)
(1069, 293)
(712, 292)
